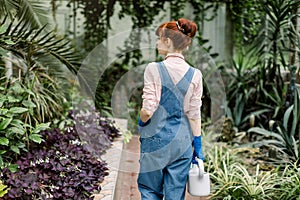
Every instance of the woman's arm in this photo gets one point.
(195, 126)
(194, 103)
(151, 92)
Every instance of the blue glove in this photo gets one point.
(141, 123)
(197, 149)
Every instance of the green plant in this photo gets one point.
(37, 59)
(127, 135)
(32, 13)
(282, 136)
(234, 177)
(237, 113)
(217, 160)
(63, 168)
(272, 101)
(3, 189)
(278, 38)
(235, 182)
(17, 129)
(221, 152)
(257, 71)
(290, 187)
(261, 185)
(241, 87)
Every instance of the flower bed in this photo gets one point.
(62, 166)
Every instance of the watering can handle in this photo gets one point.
(201, 166)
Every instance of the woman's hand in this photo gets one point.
(145, 115)
(197, 149)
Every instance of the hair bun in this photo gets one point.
(189, 27)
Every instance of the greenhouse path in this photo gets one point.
(121, 183)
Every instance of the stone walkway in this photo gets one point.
(112, 158)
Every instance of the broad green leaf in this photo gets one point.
(41, 127)
(2, 96)
(17, 130)
(18, 110)
(33, 13)
(4, 124)
(1, 162)
(3, 52)
(28, 104)
(15, 149)
(4, 141)
(12, 99)
(31, 111)
(9, 134)
(2, 152)
(3, 111)
(17, 88)
(36, 138)
(8, 42)
(2, 29)
(61, 125)
(13, 167)
(21, 145)
(17, 123)
(3, 190)
(30, 92)
(3, 193)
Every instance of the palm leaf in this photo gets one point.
(7, 7)
(33, 13)
(32, 45)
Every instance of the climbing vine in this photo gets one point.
(247, 17)
(142, 16)
(96, 25)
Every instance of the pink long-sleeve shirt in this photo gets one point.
(176, 67)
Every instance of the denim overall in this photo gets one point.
(166, 143)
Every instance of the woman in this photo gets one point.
(170, 119)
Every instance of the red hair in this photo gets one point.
(180, 32)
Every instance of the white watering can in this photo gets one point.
(198, 180)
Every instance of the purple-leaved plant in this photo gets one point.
(61, 167)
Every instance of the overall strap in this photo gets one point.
(165, 76)
(182, 85)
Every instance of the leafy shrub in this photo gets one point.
(96, 131)
(16, 131)
(234, 181)
(234, 177)
(290, 183)
(282, 136)
(62, 169)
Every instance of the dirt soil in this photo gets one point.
(126, 187)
